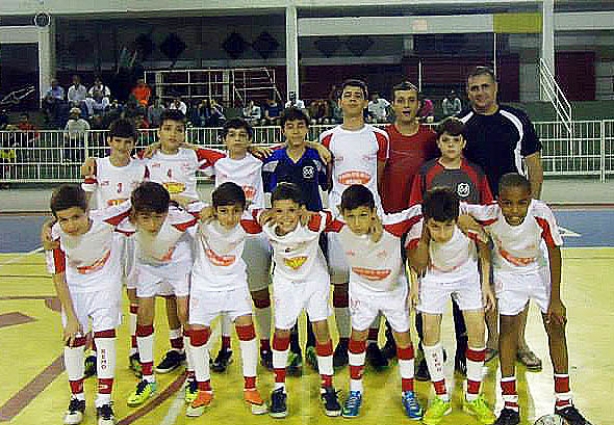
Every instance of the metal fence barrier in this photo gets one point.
(50, 156)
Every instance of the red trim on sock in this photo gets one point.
(144, 331)
(147, 368)
(280, 375)
(105, 385)
(473, 387)
(186, 332)
(509, 387)
(561, 384)
(511, 405)
(265, 303)
(440, 387)
(474, 355)
(562, 403)
(265, 344)
(134, 309)
(110, 333)
(356, 347)
(406, 353)
(356, 372)
(76, 387)
(226, 342)
(177, 343)
(407, 384)
(246, 333)
(204, 386)
(280, 344)
(373, 334)
(199, 337)
(327, 381)
(341, 298)
(324, 350)
(249, 382)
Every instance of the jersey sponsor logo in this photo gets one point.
(295, 263)
(220, 260)
(104, 183)
(309, 172)
(113, 202)
(174, 187)
(372, 274)
(168, 256)
(463, 190)
(517, 261)
(156, 165)
(369, 157)
(96, 265)
(354, 177)
(250, 192)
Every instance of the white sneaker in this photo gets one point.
(105, 415)
(74, 414)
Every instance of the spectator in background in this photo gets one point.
(154, 112)
(212, 113)
(74, 138)
(28, 137)
(76, 92)
(193, 114)
(378, 108)
(141, 92)
(140, 120)
(179, 105)
(319, 112)
(101, 96)
(427, 110)
(272, 112)
(4, 119)
(53, 102)
(294, 101)
(451, 105)
(252, 113)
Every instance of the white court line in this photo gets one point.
(177, 406)
(20, 257)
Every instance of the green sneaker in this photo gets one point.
(311, 357)
(144, 390)
(190, 391)
(479, 409)
(436, 411)
(295, 364)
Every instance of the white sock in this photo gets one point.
(249, 356)
(105, 369)
(434, 360)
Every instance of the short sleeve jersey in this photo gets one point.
(218, 262)
(113, 185)
(517, 248)
(499, 142)
(355, 155)
(469, 182)
(91, 261)
(407, 154)
(309, 173)
(377, 266)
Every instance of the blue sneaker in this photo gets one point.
(413, 410)
(351, 408)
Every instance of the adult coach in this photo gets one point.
(501, 139)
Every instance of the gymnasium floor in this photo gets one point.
(34, 387)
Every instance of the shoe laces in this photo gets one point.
(410, 400)
(75, 405)
(140, 387)
(105, 411)
(353, 400)
(506, 415)
(278, 396)
(330, 397)
(571, 414)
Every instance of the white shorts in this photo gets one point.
(365, 306)
(170, 279)
(338, 266)
(514, 290)
(207, 305)
(291, 297)
(434, 295)
(128, 250)
(102, 307)
(257, 255)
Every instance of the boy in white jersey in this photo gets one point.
(219, 285)
(517, 225)
(378, 285)
(300, 282)
(453, 271)
(111, 183)
(359, 155)
(86, 267)
(162, 267)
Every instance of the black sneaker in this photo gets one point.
(330, 401)
(222, 360)
(279, 409)
(508, 417)
(105, 415)
(266, 358)
(375, 358)
(422, 371)
(460, 363)
(340, 356)
(572, 416)
(89, 367)
(171, 361)
(74, 413)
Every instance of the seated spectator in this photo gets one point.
(294, 101)
(212, 113)
(4, 119)
(319, 112)
(427, 111)
(76, 92)
(178, 104)
(154, 112)
(101, 95)
(54, 100)
(193, 115)
(141, 92)
(28, 137)
(74, 138)
(252, 113)
(378, 108)
(272, 112)
(140, 120)
(451, 105)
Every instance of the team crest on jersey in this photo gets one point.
(354, 177)
(295, 263)
(372, 274)
(113, 202)
(309, 172)
(219, 260)
(250, 192)
(463, 190)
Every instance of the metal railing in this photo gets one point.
(55, 156)
(555, 95)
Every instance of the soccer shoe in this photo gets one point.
(89, 367)
(351, 408)
(508, 417)
(479, 409)
(330, 402)
(311, 357)
(266, 359)
(412, 407)
(200, 403)
(279, 408)
(222, 360)
(144, 390)
(134, 364)
(255, 401)
(572, 416)
(190, 391)
(171, 361)
(436, 411)
(105, 414)
(375, 358)
(74, 414)
(295, 364)
(340, 356)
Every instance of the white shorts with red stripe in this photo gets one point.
(167, 280)
(365, 306)
(515, 289)
(103, 308)
(207, 305)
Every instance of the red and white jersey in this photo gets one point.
(451, 260)
(218, 263)
(172, 244)
(92, 261)
(297, 255)
(355, 155)
(177, 173)
(245, 172)
(378, 266)
(517, 248)
(113, 185)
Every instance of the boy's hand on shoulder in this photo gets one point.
(557, 312)
(260, 152)
(467, 224)
(207, 214)
(324, 153)
(46, 240)
(266, 216)
(182, 201)
(377, 229)
(88, 168)
(150, 150)
(190, 146)
(306, 216)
